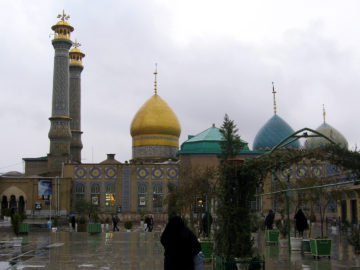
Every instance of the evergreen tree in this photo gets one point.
(236, 189)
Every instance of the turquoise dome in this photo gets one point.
(275, 130)
(330, 132)
(206, 142)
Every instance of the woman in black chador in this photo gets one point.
(269, 220)
(300, 222)
(180, 244)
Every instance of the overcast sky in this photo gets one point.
(214, 57)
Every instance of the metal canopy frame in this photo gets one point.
(301, 133)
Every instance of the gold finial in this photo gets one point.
(324, 113)
(76, 44)
(155, 82)
(274, 93)
(63, 16)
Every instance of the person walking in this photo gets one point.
(115, 222)
(148, 223)
(151, 223)
(300, 222)
(206, 222)
(269, 220)
(73, 222)
(180, 244)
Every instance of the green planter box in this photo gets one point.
(320, 247)
(23, 228)
(221, 263)
(207, 248)
(272, 236)
(94, 228)
(306, 246)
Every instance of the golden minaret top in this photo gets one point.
(324, 113)
(62, 29)
(76, 55)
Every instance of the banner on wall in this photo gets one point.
(44, 189)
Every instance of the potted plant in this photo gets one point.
(95, 226)
(81, 224)
(128, 225)
(283, 227)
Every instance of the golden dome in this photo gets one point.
(155, 124)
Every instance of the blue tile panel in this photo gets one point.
(126, 188)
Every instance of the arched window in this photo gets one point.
(21, 205)
(95, 193)
(109, 196)
(157, 197)
(4, 202)
(79, 192)
(13, 204)
(142, 196)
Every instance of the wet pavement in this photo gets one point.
(139, 251)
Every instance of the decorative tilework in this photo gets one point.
(316, 171)
(142, 173)
(95, 172)
(286, 172)
(80, 172)
(172, 173)
(110, 172)
(157, 173)
(126, 189)
(331, 169)
(301, 171)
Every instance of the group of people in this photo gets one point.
(300, 221)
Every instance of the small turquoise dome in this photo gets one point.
(206, 142)
(330, 132)
(275, 130)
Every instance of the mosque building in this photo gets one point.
(55, 182)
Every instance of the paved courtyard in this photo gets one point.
(138, 250)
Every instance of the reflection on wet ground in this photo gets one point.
(139, 250)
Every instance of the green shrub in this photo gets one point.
(15, 222)
(128, 225)
(282, 226)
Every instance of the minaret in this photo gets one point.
(75, 67)
(60, 134)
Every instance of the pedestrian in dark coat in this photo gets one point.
(269, 220)
(148, 224)
(300, 222)
(73, 222)
(115, 221)
(206, 222)
(180, 244)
